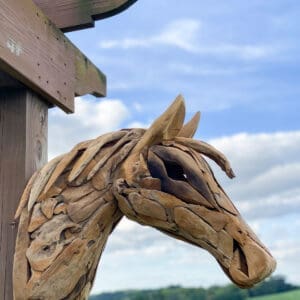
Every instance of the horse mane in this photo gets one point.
(80, 165)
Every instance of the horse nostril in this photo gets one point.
(240, 258)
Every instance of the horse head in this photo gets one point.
(168, 184)
(156, 177)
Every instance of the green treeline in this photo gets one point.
(272, 285)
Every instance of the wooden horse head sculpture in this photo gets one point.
(157, 177)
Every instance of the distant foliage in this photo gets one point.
(290, 295)
(275, 284)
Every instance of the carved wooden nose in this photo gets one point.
(250, 265)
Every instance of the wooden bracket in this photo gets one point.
(35, 52)
(69, 15)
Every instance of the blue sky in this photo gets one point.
(238, 62)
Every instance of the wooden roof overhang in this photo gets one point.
(35, 51)
(70, 15)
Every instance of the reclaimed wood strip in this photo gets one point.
(63, 164)
(91, 151)
(209, 151)
(42, 179)
(190, 128)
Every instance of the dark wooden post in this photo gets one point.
(23, 149)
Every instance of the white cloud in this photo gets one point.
(126, 226)
(275, 204)
(196, 70)
(287, 248)
(268, 171)
(253, 154)
(137, 124)
(181, 34)
(138, 106)
(91, 119)
(242, 51)
(185, 34)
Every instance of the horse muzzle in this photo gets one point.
(251, 261)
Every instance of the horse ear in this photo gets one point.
(165, 127)
(190, 128)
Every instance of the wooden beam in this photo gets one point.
(39, 55)
(23, 149)
(70, 15)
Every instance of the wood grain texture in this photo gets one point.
(77, 199)
(39, 55)
(23, 149)
(70, 15)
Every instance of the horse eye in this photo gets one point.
(175, 171)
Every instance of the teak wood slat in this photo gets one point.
(69, 15)
(23, 149)
(35, 52)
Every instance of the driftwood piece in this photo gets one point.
(82, 210)
(21, 266)
(91, 151)
(190, 128)
(147, 208)
(210, 152)
(37, 218)
(41, 180)
(61, 208)
(64, 162)
(48, 206)
(102, 179)
(25, 196)
(156, 177)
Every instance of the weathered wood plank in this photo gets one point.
(38, 54)
(70, 15)
(23, 136)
